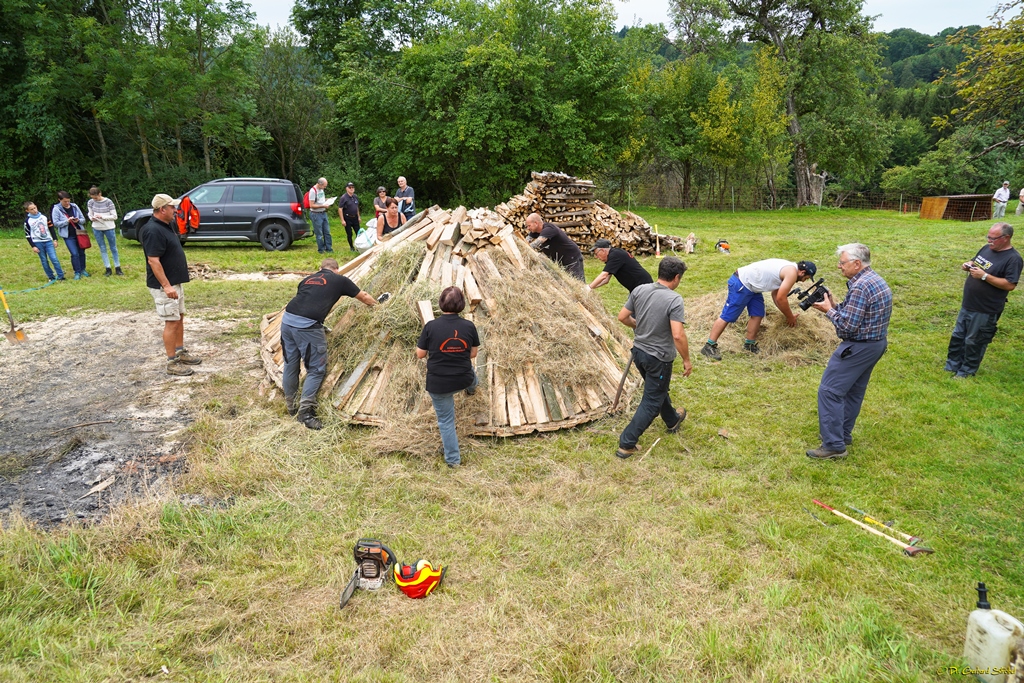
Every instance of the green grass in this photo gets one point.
(697, 563)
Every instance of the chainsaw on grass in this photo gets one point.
(374, 562)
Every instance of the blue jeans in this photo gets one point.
(842, 388)
(322, 231)
(307, 345)
(444, 408)
(77, 254)
(970, 340)
(657, 376)
(109, 238)
(48, 255)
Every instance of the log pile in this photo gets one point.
(550, 356)
(569, 203)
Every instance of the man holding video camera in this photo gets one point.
(862, 322)
(992, 274)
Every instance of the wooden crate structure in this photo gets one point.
(960, 207)
(479, 252)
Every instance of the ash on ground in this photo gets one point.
(89, 418)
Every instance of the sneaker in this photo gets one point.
(822, 453)
(78, 276)
(312, 422)
(62, 279)
(51, 281)
(118, 271)
(711, 351)
(751, 346)
(454, 465)
(678, 425)
(624, 453)
(174, 367)
(85, 273)
(187, 358)
(108, 272)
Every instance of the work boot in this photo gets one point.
(290, 406)
(307, 416)
(822, 453)
(751, 346)
(678, 425)
(108, 272)
(187, 358)
(118, 271)
(711, 351)
(174, 367)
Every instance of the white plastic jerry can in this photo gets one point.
(994, 645)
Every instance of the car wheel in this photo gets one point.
(275, 237)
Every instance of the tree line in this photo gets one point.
(465, 98)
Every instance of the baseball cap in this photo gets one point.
(162, 200)
(601, 244)
(350, 185)
(808, 267)
(1006, 182)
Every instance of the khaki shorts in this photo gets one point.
(168, 309)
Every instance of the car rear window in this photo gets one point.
(280, 195)
(247, 194)
(209, 194)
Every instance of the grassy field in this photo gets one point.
(697, 563)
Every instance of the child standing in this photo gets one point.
(37, 232)
(104, 216)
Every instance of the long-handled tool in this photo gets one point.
(14, 335)
(622, 382)
(907, 549)
(912, 540)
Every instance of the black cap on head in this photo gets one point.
(601, 244)
(808, 267)
(350, 185)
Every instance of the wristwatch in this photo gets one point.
(984, 276)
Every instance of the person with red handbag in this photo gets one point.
(69, 221)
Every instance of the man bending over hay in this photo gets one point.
(656, 314)
(556, 245)
(746, 288)
(303, 338)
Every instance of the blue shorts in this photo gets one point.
(739, 298)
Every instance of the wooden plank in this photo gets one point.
(472, 291)
(332, 378)
(447, 275)
(499, 412)
(515, 410)
(551, 401)
(459, 214)
(593, 398)
(435, 234)
(360, 260)
(488, 269)
(524, 394)
(451, 233)
(425, 266)
(564, 404)
(443, 252)
(536, 394)
(369, 406)
(460, 277)
(365, 387)
(351, 383)
(425, 310)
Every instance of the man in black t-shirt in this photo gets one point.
(348, 212)
(621, 264)
(556, 245)
(994, 273)
(166, 272)
(303, 338)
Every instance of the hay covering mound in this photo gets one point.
(811, 341)
(550, 356)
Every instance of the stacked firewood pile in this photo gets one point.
(569, 203)
(550, 356)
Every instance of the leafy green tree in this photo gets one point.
(949, 169)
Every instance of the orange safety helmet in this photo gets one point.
(418, 580)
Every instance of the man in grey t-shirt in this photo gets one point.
(656, 314)
(407, 198)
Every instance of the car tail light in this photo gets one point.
(297, 208)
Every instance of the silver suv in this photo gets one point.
(264, 210)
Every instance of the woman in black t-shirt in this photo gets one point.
(390, 220)
(449, 344)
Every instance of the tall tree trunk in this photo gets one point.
(280, 148)
(801, 166)
(687, 180)
(177, 135)
(206, 154)
(356, 137)
(144, 144)
(103, 141)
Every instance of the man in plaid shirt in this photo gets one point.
(862, 321)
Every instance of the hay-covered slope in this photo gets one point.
(550, 356)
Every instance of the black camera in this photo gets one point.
(812, 295)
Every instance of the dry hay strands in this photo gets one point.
(810, 342)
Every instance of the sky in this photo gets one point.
(926, 16)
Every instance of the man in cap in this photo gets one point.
(621, 264)
(166, 272)
(556, 245)
(746, 288)
(348, 212)
(1000, 198)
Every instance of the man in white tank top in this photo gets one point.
(746, 287)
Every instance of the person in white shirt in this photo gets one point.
(103, 214)
(1020, 202)
(1000, 198)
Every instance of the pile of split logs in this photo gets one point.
(477, 251)
(569, 203)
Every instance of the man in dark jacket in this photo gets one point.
(166, 272)
(303, 338)
(348, 212)
(555, 244)
(620, 264)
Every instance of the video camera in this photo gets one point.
(813, 294)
